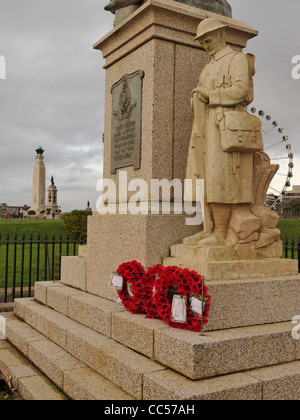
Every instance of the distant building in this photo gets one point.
(291, 195)
(11, 212)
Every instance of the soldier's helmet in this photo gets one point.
(207, 26)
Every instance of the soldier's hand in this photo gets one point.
(202, 93)
(197, 90)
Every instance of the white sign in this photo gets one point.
(296, 69)
(196, 306)
(179, 310)
(2, 68)
(116, 281)
(2, 328)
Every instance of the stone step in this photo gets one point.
(74, 378)
(118, 364)
(194, 356)
(26, 378)
(243, 303)
(228, 351)
(280, 382)
(235, 303)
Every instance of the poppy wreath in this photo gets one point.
(148, 284)
(189, 284)
(141, 284)
(149, 292)
(132, 273)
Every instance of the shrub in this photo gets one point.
(76, 223)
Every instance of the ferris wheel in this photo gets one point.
(278, 146)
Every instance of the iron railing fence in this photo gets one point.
(26, 260)
(291, 249)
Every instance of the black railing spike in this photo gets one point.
(53, 236)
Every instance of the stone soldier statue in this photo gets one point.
(224, 91)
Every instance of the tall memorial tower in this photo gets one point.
(38, 205)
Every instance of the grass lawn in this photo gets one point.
(32, 262)
(289, 227)
(28, 226)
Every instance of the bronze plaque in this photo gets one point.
(126, 121)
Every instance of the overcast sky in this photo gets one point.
(53, 95)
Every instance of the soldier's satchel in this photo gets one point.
(240, 132)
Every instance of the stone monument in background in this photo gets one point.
(38, 205)
(39, 209)
(53, 211)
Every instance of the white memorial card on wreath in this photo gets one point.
(116, 281)
(179, 310)
(196, 306)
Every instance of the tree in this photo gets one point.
(292, 209)
(76, 222)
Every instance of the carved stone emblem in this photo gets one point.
(126, 121)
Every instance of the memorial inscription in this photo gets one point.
(126, 121)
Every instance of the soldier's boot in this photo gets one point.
(221, 214)
(193, 240)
